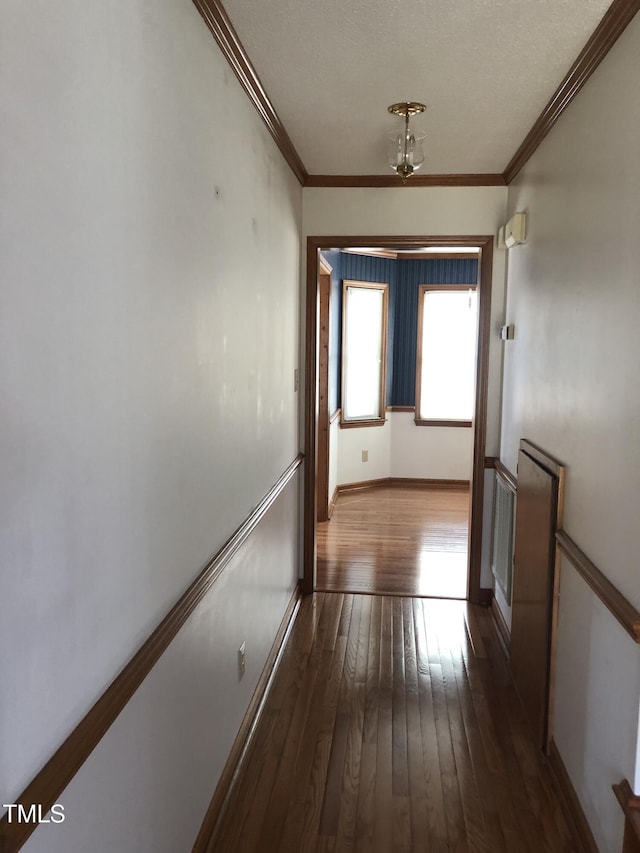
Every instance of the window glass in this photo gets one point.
(446, 372)
(363, 352)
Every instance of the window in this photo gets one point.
(364, 353)
(446, 361)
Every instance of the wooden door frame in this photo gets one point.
(322, 468)
(485, 270)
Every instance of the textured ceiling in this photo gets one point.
(485, 68)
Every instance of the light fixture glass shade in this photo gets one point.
(406, 154)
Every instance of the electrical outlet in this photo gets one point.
(242, 661)
(296, 379)
(365, 455)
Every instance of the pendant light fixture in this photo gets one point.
(405, 146)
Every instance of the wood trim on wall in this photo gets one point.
(207, 836)
(570, 802)
(630, 804)
(371, 253)
(398, 482)
(612, 25)
(542, 458)
(612, 598)
(322, 482)
(332, 502)
(431, 422)
(393, 182)
(485, 271)
(413, 256)
(401, 409)
(506, 476)
(370, 422)
(439, 256)
(503, 472)
(233, 50)
(337, 414)
(485, 268)
(485, 596)
(502, 629)
(58, 772)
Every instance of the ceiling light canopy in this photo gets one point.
(405, 146)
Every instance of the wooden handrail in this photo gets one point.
(630, 804)
(503, 472)
(612, 598)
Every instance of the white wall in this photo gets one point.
(402, 449)
(352, 441)
(571, 385)
(149, 782)
(149, 335)
(433, 453)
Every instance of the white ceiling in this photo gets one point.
(485, 68)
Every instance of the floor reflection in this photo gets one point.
(396, 541)
(442, 574)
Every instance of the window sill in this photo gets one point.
(372, 422)
(428, 422)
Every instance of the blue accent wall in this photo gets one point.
(404, 277)
(411, 274)
(385, 270)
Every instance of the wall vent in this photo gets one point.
(502, 537)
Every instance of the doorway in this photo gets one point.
(314, 368)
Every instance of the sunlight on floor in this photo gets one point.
(443, 574)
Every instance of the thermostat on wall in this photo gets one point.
(515, 231)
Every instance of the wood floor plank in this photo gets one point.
(436, 819)
(365, 816)
(418, 800)
(297, 724)
(316, 740)
(400, 765)
(396, 541)
(486, 783)
(314, 796)
(469, 794)
(387, 730)
(346, 832)
(453, 811)
(382, 833)
(330, 814)
(267, 744)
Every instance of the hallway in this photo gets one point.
(391, 726)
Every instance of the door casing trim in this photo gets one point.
(485, 271)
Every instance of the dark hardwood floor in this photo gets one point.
(396, 541)
(391, 726)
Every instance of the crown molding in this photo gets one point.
(392, 181)
(614, 22)
(223, 32)
(612, 25)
